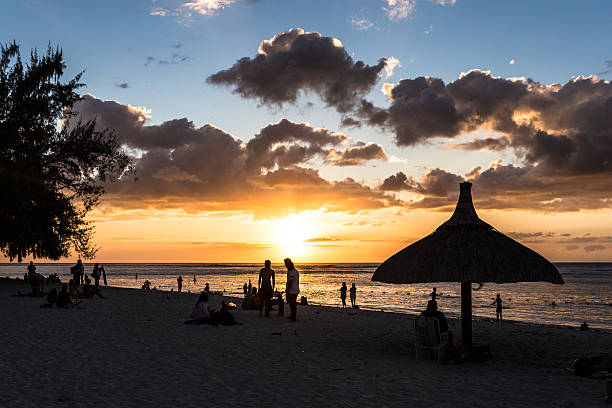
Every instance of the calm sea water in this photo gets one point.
(585, 296)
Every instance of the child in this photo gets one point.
(353, 295)
(343, 294)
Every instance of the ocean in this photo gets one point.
(586, 295)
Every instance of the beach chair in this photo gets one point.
(427, 335)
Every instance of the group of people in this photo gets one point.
(353, 292)
(267, 294)
(203, 313)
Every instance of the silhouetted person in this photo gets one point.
(251, 301)
(343, 290)
(353, 295)
(90, 291)
(78, 271)
(52, 297)
(435, 296)
(432, 311)
(146, 285)
(498, 308)
(194, 278)
(179, 280)
(136, 276)
(245, 289)
(63, 298)
(31, 272)
(266, 283)
(96, 274)
(206, 288)
(292, 288)
(250, 287)
(201, 311)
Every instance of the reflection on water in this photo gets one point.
(586, 295)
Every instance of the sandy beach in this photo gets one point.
(131, 350)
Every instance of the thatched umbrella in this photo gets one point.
(466, 249)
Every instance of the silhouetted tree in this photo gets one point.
(51, 169)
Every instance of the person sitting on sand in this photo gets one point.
(432, 311)
(201, 311)
(251, 302)
(31, 272)
(498, 308)
(343, 290)
(179, 281)
(64, 299)
(90, 291)
(206, 288)
(266, 284)
(353, 296)
(146, 285)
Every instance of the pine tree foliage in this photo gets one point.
(52, 166)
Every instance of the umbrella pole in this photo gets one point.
(466, 315)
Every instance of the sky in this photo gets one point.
(338, 131)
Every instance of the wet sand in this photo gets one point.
(131, 350)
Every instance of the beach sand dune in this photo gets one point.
(131, 350)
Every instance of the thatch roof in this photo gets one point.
(466, 249)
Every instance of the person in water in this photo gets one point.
(498, 308)
(266, 285)
(353, 296)
(434, 295)
(343, 290)
(292, 288)
(179, 280)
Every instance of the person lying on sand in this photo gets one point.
(90, 290)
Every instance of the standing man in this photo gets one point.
(292, 288)
(266, 285)
(498, 308)
(179, 280)
(96, 275)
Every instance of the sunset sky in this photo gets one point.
(338, 131)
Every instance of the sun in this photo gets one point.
(292, 233)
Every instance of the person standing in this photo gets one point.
(179, 280)
(266, 285)
(245, 290)
(498, 309)
(31, 272)
(434, 295)
(353, 295)
(194, 278)
(292, 288)
(96, 275)
(343, 290)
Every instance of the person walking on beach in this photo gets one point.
(179, 280)
(353, 296)
(498, 308)
(266, 285)
(343, 290)
(292, 288)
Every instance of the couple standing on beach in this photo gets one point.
(267, 284)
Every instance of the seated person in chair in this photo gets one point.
(432, 311)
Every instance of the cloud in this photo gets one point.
(399, 9)
(175, 59)
(429, 30)
(296, 61)
(512, 62)
(158, 11)
(607, 71)
(180, 166)
(390, 65)
(208, 7)
(444, 2)
(122, 85)
(593, 248)
(361, 24)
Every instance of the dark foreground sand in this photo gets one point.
(131, 350)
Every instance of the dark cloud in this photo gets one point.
(607, 71)
(123, 85)
(181, 166)
(296, 61)
(593, 248)
(175, 59)
(356, 155)
(397, 182)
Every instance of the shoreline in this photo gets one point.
(450, 317)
